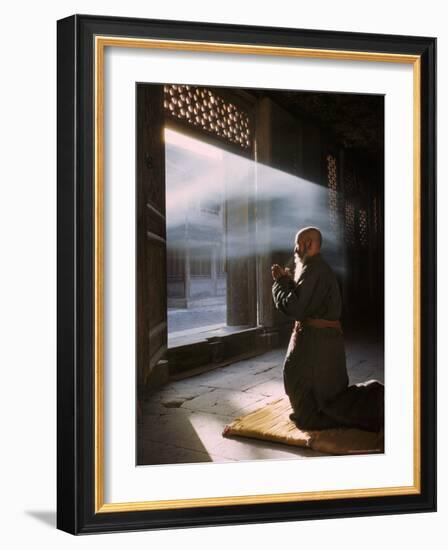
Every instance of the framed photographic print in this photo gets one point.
(246, 274)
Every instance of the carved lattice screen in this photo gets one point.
(205, 110)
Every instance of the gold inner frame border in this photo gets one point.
(100, 43)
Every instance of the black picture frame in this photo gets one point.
(77, 510)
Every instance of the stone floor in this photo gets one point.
(183, 421)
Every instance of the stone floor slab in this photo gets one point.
(271, 388)
(220, 401)
(183, 421)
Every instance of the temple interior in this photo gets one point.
(225, 178)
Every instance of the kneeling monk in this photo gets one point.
(314, 370)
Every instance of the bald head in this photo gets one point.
(307, 242)
(309, 234)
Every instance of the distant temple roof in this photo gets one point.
(199, 234)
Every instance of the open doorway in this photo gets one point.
(196, 231)
(210, 193)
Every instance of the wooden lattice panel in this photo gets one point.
(363, 236)
(205, 110)
(350, 187)
(349, 223)
(332, 182)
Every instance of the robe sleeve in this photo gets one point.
(293, 299)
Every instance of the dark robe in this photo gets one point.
(314, 370)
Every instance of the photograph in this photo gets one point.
(245, 267)
(223, 262)
(259, 274)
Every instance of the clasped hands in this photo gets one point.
(279, 271)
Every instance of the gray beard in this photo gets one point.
(298, 266)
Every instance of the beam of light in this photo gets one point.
(198, 174)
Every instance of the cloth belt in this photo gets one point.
(317, 323)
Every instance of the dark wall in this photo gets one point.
(353, 245)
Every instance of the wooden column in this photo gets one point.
(151, 291)
(240, 251)
(263, 215)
